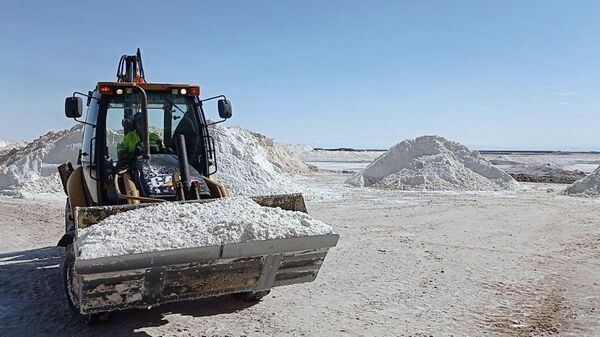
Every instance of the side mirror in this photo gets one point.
(73, 107)
(224, 108)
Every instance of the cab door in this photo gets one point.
(88, 156)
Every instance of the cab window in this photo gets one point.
(168, 115)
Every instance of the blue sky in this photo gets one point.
(490, 74)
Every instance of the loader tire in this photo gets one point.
(251, 296)
(67, 271)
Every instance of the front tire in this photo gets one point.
(72, 300)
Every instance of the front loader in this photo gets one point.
(107, 180)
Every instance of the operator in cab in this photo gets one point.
(132, 141)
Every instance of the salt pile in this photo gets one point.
(589, 186)
(298, 149)
(251, 164)
(354, 156)
(47, 188)
(6, 145)
(39, 158)
(282, 156)
(433, 163)
(170, 226)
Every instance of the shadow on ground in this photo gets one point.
(32, 301)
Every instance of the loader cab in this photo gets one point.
(172, 110)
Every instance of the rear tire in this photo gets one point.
(251, 296)
(67, 272)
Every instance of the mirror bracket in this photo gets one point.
(85, 123)
(214, 97)
(217, 122)
(89, 96)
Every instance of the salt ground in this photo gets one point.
(433, 163)
(570, 161)
(176, 226)
(408, 263)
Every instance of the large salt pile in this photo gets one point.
(282, 156)
(433, 163)
(298, 149)
(7, 145)
(251, 164)
(39, 158)
(174, 226)
(589, 186)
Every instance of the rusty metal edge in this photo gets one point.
(204, 254)
(275, 246)
(147, 260)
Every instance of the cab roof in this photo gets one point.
(147, 86)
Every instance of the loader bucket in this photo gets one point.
(148, 279)
(87, 216)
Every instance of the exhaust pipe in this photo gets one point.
(184, 169)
